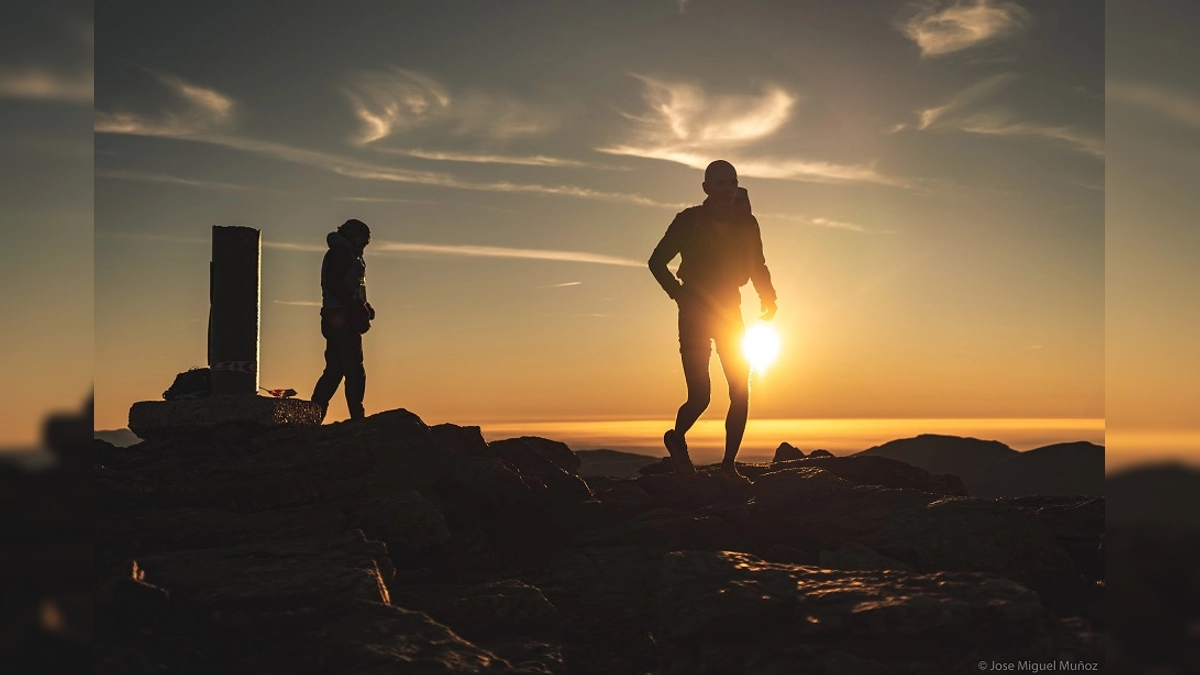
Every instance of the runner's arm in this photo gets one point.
(760, 276)
(665, 252)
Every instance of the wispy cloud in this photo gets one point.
(412, 248)
(819, 221)
(197, 110)
(206, 117)
(960, 100)
(1173, 104)
(562, 285)
(489, 158)
(963, 112)
(43, 82)
(396, 100)
(172, 180)
(208, 114)
(940, 29)
(1000, 124)
(467, 250)
(382, 200)
(297, 303)
(685, 124)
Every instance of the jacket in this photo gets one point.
(714, 262)
(343, 274)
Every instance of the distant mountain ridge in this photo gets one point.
(991, 469)
(612, 463)
(939, 454)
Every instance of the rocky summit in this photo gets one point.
(391, 546)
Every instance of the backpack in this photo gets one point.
(190, 384)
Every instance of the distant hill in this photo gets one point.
(1158, 494)
(614, 463)
(122, 438)
(1060, 469)
(991, 469)
(944, 454)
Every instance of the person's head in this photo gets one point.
(356, 231)
(721, 182)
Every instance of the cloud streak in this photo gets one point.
(206, 115)
(412, 248)
(40, 82)
(686, 125)
(998, 124)
(396, 100)
(472, 251)
(1172, 104)
(173, 180)
(961, 112)
(938, 29)
(963, 99)
(198, 110)
(487, 158)
(819, 221)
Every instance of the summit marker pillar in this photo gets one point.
(234, 309)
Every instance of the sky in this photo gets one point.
(929, 180)
(46, 262)
(1152, 287)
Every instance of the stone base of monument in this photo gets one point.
(239, 413)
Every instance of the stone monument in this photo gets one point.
(233, 351)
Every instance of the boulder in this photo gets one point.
(680, 490)
(625, 497)
(507, 607)
(855, 556)
(550, 464)
(1076, 523)
(871, 470)
(946, 535)
(728, 612)
(525, 451)
(787, 451)
(812, 509)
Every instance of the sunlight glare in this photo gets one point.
(761, 346)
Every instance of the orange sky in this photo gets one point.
(931, 204)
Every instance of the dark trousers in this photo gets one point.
(343, 359)
(703, 321)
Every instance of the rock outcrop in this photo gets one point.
(388, 545)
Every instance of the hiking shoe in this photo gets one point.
(677, 447)
(730, 476)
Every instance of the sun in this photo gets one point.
(761, 346)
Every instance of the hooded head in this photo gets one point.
(356, 231)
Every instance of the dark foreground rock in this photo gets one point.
(391, 546)
(733, 613)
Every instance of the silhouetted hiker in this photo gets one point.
(345, 316)
(720, 249)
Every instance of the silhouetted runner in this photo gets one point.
(345, 316)
(720, 249)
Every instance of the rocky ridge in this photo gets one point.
(392, 546)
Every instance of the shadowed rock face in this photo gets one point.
(733, 613)
(391, 546)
